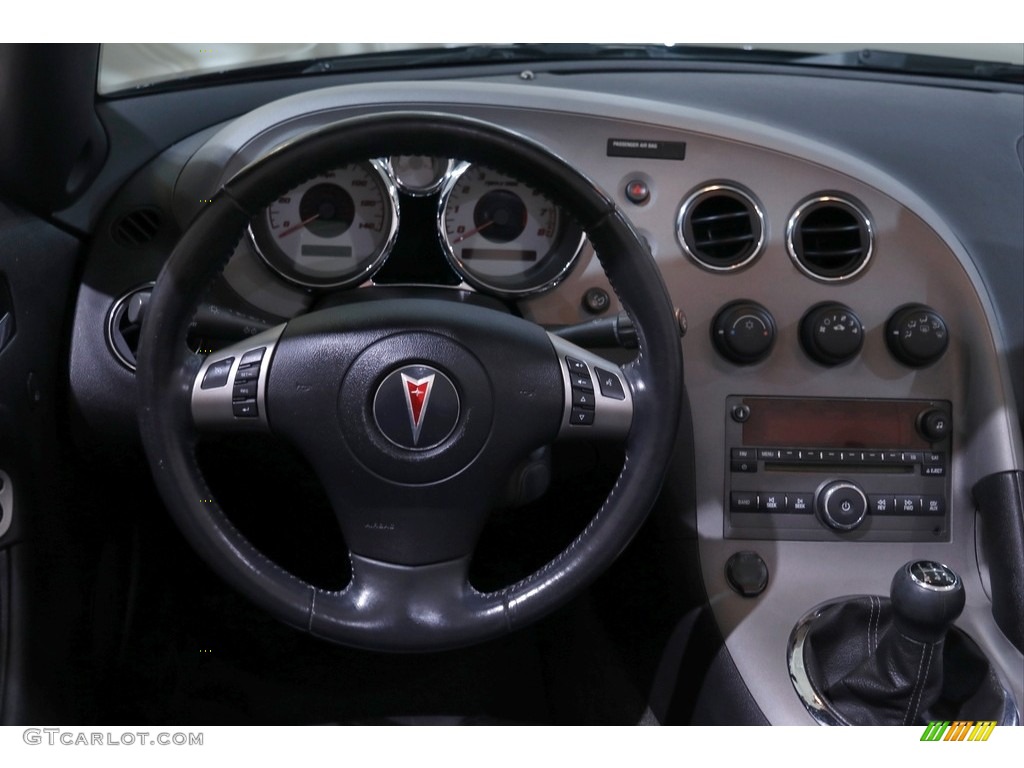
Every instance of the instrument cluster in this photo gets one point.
(496, 233)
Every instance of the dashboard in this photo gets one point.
(845, 369)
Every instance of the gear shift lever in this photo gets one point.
(927, 597)
(872, 661)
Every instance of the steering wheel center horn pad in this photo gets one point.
(478, 390)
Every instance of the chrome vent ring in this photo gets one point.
(830, 237)
(721, 227)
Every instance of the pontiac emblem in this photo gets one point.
(416, 407)
(417, 396)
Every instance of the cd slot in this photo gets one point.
(874, 469)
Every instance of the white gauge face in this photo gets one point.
(333, 230)
(504, 236)
(419, 175)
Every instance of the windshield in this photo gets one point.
(125, 66)
(130, 65)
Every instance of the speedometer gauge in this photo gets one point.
(332, 231)
(504, 236)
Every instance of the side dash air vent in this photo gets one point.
(124, 321)
(721, 227)
(137, 227)
(830, 238)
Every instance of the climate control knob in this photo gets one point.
(743, 332)
(831, 333)
(841, 505)
(916, 335)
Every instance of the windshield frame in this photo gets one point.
(131, 67)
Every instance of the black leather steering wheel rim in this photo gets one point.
(167, 371)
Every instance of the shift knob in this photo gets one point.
(927, 597)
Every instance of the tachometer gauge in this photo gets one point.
(332, 231)
(503, 236)
(420, 175)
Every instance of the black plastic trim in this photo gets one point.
(52, 144)
(1000, 500)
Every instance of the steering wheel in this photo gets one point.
(411, 412)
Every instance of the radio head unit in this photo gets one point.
(836, 469)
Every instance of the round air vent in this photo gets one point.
(830, 238)
(136, 227)
(721, 227)
(124, 321)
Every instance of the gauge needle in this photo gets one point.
(472, 232)
(300, 225)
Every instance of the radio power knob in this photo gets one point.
(841, 505)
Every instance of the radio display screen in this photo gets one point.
(826, 423)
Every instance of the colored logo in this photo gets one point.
(417, 395)
(958, 730)
(416, 407)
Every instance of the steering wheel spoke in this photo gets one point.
(439, 606)
(230, 389)
(598, 397)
